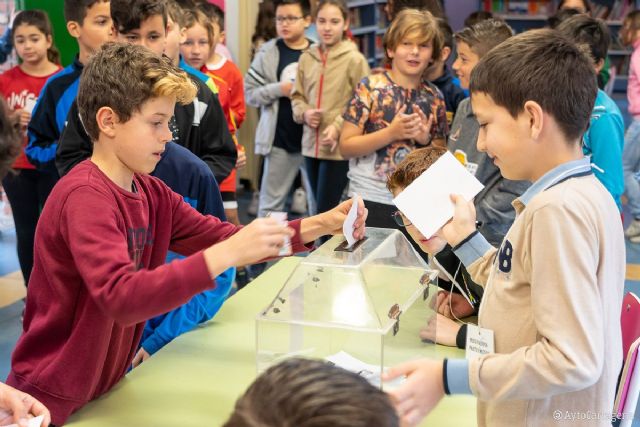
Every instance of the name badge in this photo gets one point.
(479, 342)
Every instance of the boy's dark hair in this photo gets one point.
(10, 143)
(475, 17)
(413, 166)
(485, 35)
(592, 32)
(304, 5)
(76, 10)
(212, 12)
(123, 77)
(433, 6)
(312, 393)
(128, 15)
(543, 66)
(560, 16)
(40, 20)
(446, 32)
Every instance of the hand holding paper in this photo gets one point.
(347, 227)
(427, 201)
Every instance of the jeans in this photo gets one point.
(327, 178)
(27, 190)
(630, 167)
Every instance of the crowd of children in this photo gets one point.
(134, 148)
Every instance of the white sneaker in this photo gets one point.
(299, 202)
(633, 229)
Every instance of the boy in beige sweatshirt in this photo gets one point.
(553, 290)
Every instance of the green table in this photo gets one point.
(196, 379)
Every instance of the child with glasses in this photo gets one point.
(268, 86)
(449, 332)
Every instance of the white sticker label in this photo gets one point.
(479, 342)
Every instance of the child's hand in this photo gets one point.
(440, 330)
(312, 117)
(334, 219)
(424, 134)
(16, 407)
(242, 158)
(463, 222)
(404, 126)
(286, 88)
(460, 307)
(329, 137)
(262, 238)
(140, 357)
(420, 393)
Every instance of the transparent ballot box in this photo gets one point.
(361, 308)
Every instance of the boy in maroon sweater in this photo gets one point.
(99, 269)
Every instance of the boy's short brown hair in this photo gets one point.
(417, 25)
(123, 77)
(311, 393)
(485, 35)
(542, 66)
(413, 166)
(76, 10)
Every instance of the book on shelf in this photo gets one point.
(355, 17)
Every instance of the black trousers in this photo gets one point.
(27, 190)
(328, 179)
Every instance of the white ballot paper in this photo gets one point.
(347, 226)
(369, 372)
(32, 422)
(426, 201)
(281, 217)
(30, 104)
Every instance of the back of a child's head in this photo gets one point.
(412, 166)
(10, 143)
(584, 5)
(123, 77)
(478, 16)
(415, 25)
(40, 20)
(545, 67)
(213, 13)
(128, 15)
(305, 6)
(592, 32)
(312, 393)
(433, 6)
(485, 35)
(76, 10)
(561, 16)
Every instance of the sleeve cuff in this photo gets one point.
(456, 376)
(296, 243)
(472, 248)
(461, 337)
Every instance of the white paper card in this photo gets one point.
(30, 104)
(479, 342)
(32, 422)
(281, 217)
(426, 201)
(369, 372)
(347, 226)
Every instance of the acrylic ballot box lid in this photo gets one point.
(366, 288)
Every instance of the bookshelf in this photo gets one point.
(368, 24)
(529, 14)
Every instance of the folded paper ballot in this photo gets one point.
(426, 202)
(347, 226)
(369, 372)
